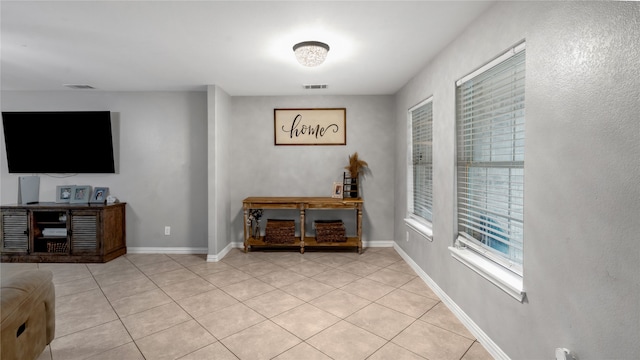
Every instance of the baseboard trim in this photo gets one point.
(166, 250)
(482, 337)
(224, 252)
(386, 243)
(217, 257)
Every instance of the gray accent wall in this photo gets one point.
(582, 178)
(259, 168)
(187, 159)
(161, 138)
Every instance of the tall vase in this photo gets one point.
(256, 230)
(354, 187)
(350, 189)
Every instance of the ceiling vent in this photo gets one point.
(315, 86)
(79, 86)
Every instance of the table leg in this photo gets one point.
(302, 230)
(246, 234)
(359, 225)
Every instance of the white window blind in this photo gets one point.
(490, 160)
(421, 157)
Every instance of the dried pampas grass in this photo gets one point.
(356, 165)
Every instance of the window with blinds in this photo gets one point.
(490, 159)
(421, 204)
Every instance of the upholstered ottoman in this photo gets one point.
(28, 314)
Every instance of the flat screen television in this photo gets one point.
(59, 142)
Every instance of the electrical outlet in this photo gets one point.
(407, 236)
(564, 354)
(167, 230)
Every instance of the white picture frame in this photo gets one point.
(99, 195)
(63, 193)
(80, 194)
(337, 190)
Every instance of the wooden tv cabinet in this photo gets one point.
(303, 204)
(52, 232)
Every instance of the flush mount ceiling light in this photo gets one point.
(311, 53)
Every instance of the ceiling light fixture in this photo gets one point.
(311, 53)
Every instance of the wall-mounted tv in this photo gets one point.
(59, 142)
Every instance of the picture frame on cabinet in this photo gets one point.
(63, 193)
(99, 195)
(80, 194)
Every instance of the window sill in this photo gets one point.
(420, 228)
(504, 279)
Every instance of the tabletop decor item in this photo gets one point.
(337, 190)
(63, 193)
(80, 194)
(254, 222)
(99, 195)
(356, 167)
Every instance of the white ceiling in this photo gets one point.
(245, 47)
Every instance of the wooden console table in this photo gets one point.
(303, 204)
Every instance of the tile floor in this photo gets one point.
(258, 305)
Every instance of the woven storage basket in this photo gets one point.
(330, 231)
(280, 231)
(56, 246)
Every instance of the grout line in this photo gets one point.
(236, 264)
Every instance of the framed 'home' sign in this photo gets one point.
(310, 126)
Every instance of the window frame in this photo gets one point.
(413, 220)
(483, 258)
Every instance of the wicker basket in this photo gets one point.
(330, 231)
(280, 231)
(56, 246)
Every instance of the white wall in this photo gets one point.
(162, 143)
(259, 168)
(582, 176)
